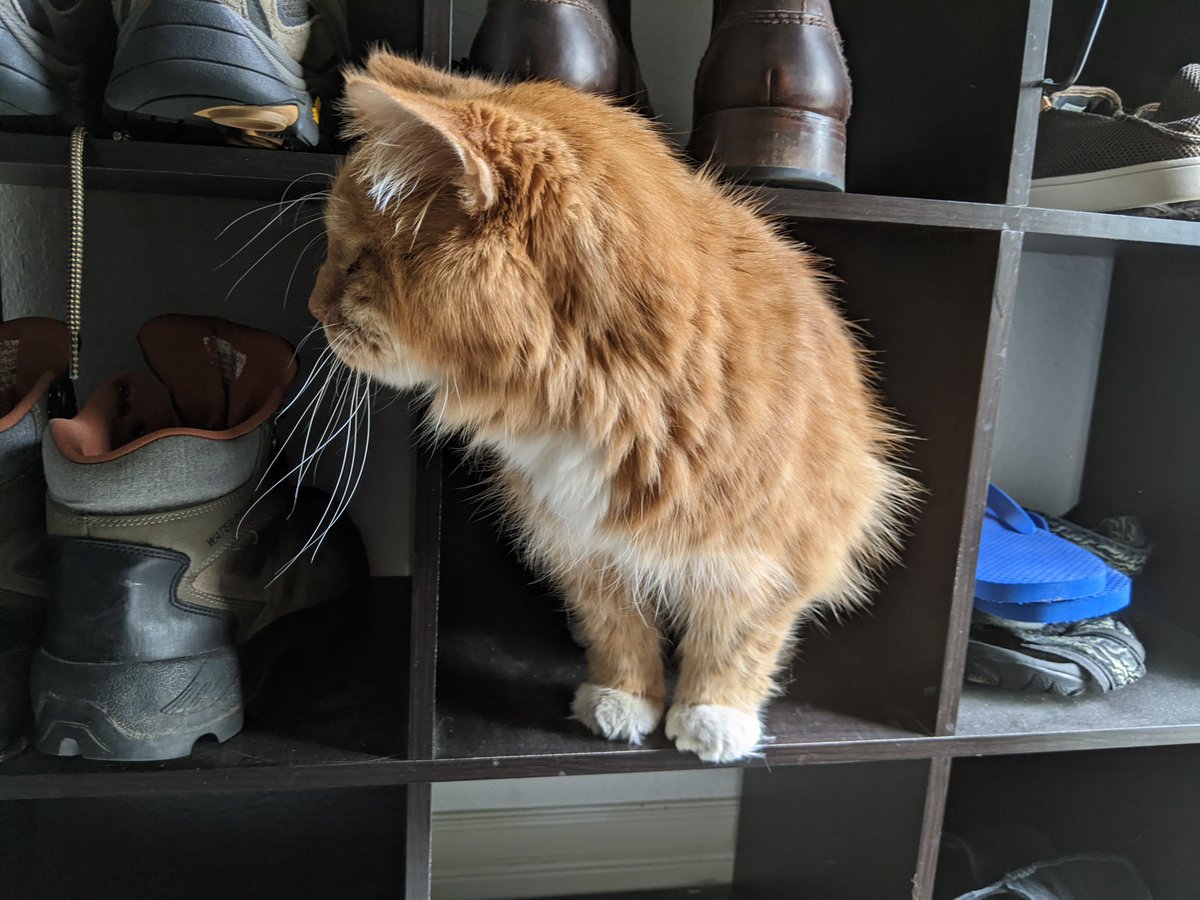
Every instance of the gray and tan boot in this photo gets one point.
(168, 558)
(33, 366)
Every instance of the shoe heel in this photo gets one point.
(196, 64)
(134, 711)
(774, 145)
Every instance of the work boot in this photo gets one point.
(773, 94)
(167, 554)
(33, 365)
(254, 69)
(585, 44)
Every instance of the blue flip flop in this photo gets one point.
(1020, 561)
(1115, 596)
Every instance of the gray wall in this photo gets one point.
(1050, 377)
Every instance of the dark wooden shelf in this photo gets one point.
(1061, 223)
(166, 168)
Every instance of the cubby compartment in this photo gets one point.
(340, 695)
(1098, 417)
(839, 831)
(550, 837)
(507, 666)
(1007, 812)
(346, 843)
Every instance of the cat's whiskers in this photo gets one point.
(325, 362)
(287, 291)
(283, 207)
(268, 251)
(284, 203)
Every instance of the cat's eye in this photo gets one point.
(353, 267)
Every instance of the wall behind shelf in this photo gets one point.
(1050, 371)
(146, 254)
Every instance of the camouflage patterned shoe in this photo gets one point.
(167, 555)
(33, 366)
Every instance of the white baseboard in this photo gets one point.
(496, 854)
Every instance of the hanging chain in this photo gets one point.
(75, 264)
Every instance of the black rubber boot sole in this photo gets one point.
(1016, 671)
(203, 65)
(134, 711)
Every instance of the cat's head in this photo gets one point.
(474, 224)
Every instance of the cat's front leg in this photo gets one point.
(730, 651)
(624, 696)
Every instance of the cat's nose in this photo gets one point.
(317, 308)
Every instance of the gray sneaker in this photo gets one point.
(33, 365)
(258, 70)
(55, 57)
(1093, 155)
(168, 557)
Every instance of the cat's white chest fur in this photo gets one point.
(565, 475)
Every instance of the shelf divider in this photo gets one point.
(1029, 102)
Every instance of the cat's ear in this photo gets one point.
(413, 140)
(406, 74)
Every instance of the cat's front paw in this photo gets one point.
(717, 734)
(616, 715)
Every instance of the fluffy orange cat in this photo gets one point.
(683, 422)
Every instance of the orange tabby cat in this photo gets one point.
(682, 421)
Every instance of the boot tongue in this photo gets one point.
(122, 409)
(219, 373)
(1181, 98)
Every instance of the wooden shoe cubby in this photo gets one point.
(464, 670)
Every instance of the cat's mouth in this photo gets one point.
(349, 345)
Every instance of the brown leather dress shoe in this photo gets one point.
(582, 43)
(773, 94)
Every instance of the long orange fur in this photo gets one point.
(683, 424)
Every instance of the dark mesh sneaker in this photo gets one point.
(255, 69)
(55, 56)
(33, 365)
(1093, 155)
(167, 556)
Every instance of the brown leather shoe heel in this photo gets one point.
(582, 43)
(773, 94)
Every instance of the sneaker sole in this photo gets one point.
(203, 65)
(31, 80)
(1130, 187)
(1015, 671)
(134, 711)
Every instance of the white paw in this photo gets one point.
(616, 715)
(717, 734)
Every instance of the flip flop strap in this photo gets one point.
(1009, 511)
